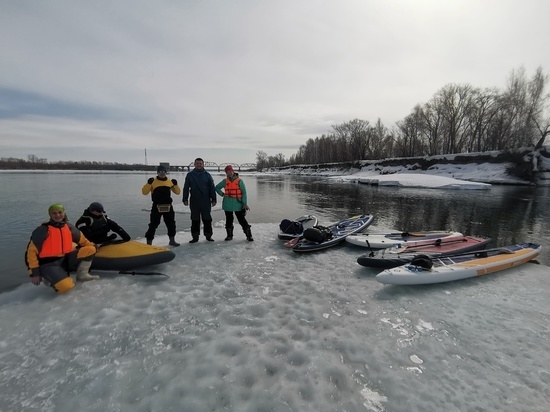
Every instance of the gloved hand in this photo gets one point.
(36, 280)
(174, 182)
(151, 180)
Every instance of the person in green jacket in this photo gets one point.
(234, 201)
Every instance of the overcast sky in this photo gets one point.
(104, 80)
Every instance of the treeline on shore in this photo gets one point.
(34, 163)
(459, 118)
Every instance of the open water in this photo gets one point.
(507, 214)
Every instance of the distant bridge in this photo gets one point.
(213, 166)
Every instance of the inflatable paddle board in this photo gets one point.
(338, 233)
(393, 257)
(385, 240)
(461, 266)
(305, 221)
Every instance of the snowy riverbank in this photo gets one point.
(252, 326)
(524, 168)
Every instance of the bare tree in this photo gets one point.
(379, 135)
(483, 109)
(409, 139)
(432, 117)
(356, 134)
(453, 102)
(261, 160)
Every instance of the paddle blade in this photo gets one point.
(291, 242)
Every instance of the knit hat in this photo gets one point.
(96, 207)
(161, 169)
(229, 168)
(56, 206)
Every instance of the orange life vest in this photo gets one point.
(232, 188)
(58, 242)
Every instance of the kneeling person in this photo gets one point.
(50, 252)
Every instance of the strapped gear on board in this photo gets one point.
(318, 234)
(291, 227)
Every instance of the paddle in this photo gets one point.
(127, 272)
(437, 242)
(292, 242)
(480, 253)
(419, 234)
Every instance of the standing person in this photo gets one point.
(95, 225)
(50, 252)
(200, 185)
(234, 201)
(160, 188)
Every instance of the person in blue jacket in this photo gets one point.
(199, 194)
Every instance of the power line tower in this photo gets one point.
(145, 157)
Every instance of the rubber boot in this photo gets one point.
(248, 234)
(208, 230)
(82, 271)
(173, 241)
(149, 241)
(229, 231)
(195, 230)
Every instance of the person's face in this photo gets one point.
(57, 215)
(96, 213)
(230, 173)
(199, 164)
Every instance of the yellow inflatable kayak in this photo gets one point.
(122, 255)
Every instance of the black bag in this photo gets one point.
(423, 261)
(318, 234)
(291, 227)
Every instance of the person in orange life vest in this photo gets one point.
(51, 252)
(234, 201)
(161, 188)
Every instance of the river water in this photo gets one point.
(507, 214)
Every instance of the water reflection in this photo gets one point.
(507, 214)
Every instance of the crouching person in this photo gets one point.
(51, 252)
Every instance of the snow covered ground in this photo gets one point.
(252, 326)
(414, 180)
(489, 173)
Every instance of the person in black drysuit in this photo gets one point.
(200, 185)
(161, 189)
(95, 225)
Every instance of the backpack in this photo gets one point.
(423, 261)
(291, 227)
(318, 234)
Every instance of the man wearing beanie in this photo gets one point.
(50, 252)
(234, 201)
(161, 190)
(199, 186)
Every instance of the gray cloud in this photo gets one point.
(108, 79)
